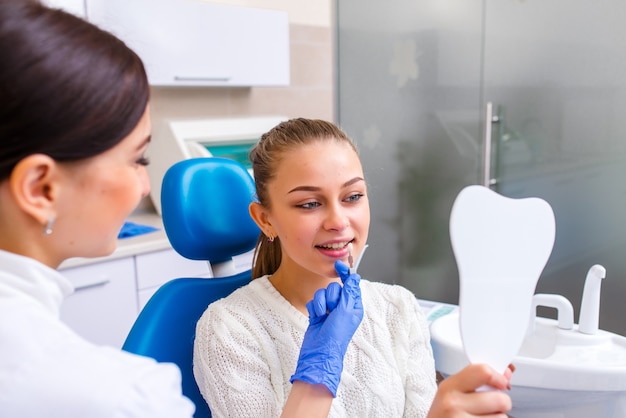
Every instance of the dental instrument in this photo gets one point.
(354, 267)
(350, 259)
(562, 369)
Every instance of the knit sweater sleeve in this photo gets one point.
(420, 380)
(240, 363)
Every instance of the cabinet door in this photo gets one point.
(103, 307)
(190, 42)
(156, 268)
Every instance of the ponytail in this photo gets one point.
(267, 256)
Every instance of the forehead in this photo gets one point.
(141, 131)
(318, 163)
(137, 138)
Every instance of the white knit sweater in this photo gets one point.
(247, 347)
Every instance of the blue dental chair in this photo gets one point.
(205, 214)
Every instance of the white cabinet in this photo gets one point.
(198, 43)
(103, 307)
(110, 294)
(156, 268)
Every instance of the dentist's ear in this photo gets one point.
(260, 215)
(34, 187)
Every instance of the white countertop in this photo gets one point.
(128, 247)
(434, 310)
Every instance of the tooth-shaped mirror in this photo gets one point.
(501, 246)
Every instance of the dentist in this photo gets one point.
(74, 127)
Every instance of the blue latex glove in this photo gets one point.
(334, 315)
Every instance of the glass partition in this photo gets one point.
(414, 81)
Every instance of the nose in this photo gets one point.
(337, 218)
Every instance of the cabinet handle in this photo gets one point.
(184, 78)
(490, 119)
(100, 281)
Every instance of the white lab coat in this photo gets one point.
(47, 370)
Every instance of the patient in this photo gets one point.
(74, 126)
(363, 346)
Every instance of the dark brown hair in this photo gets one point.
(67, 88)
(265, 157)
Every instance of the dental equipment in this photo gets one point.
(358, 260)
(501, 246)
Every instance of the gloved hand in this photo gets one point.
(334, 315)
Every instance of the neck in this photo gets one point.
(298, 288)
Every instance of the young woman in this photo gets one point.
(312, 208)
(74, 127)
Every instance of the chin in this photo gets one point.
(332, 273)
(101, 251)
(109, 250)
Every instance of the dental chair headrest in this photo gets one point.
(205, 209)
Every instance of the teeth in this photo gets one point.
(336, 246)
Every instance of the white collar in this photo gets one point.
(22, 276)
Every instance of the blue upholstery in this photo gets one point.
(205, 214)
(166, 327)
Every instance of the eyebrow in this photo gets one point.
(315, 188)
(146, 141)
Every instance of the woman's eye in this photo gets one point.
(309, 205)
(143, 161)
(355, 197)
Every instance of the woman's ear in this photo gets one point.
(33, 185)
(260, 215)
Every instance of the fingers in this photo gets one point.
(333, 292)
(350, 281)
(491, 403)
(327, 300)
(508, 373)
(324, 300)
(318, 303)
(350, 302)
(459, 392)
(476, 375)
(342, 269)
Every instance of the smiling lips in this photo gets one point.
(334, 246)
(335, 249)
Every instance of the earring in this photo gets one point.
(49, 225)
(270, 238)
